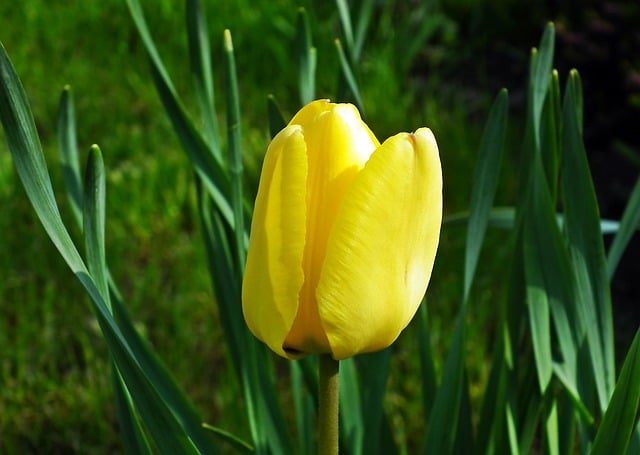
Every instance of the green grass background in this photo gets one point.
(55, 391)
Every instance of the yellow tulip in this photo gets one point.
(344, 234)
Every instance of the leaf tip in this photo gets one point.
(228, 44)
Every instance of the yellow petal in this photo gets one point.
(381, 251)
(338, 146)
(274, 274)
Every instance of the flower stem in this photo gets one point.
(328, 406)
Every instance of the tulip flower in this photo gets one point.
(344, 234)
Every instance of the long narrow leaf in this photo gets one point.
(351, 418)
(345, 21)
(427, 364)
(443, 419)
(628, 225)
(306, 59)
(274, 114)
(585, 240)
(201, 73)
(485, 182)
(374, 371)
(364, 19)
(94, 221)
(349, 77)
(236, 169)
(170, 420)
(620, 417)
(68, 147)
(213, 173)
(540, 75)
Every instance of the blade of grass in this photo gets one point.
(585, 240)
(620, 417)
(274, 114)
(349, 77)
(238, 444)
(628, 225)
(345, 22)
(373, 371)
(427, 366)
(204, 160)
(549, 282)
(443, 420)
(133, 438)
(236, 168)
(94, 221)
(134, 441)
(351, 417)
(306, 54)
(539, 77)
(304, 409)
(214, 176)
(485, 182)
(550, 134)
(490, 424)
(364, 19)
(505, 218)
(68, 147)
(201, 73)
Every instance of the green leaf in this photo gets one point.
(132, 435)
(619, 419)
(550, 135)
(494, 397)
(304, 407)
(94, 221)
(373, 371)
(351, 417)
(168, 416)
(427, 365)
(306, 55)
(539, 77)
(485, 182)
(201, 73)
(68, 147)
(276, 119)
(443, 420)
(364, 19)
(551, 430)
(213, 173)
(585, 242)
(345, 22)
(549, 282)
(349, 77)
(238, 444)
(236, 168)
(505, 218)
(628, 225)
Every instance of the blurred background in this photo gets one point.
(433, 63)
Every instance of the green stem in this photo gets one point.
(328, 406)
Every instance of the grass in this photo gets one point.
(55, 393)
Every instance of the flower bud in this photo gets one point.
(344, 234)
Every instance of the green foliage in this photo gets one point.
(552, 382)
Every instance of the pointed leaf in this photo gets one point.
(201, 73)
(619, 419)
(68, 147)
(485, 182)
(629, 224)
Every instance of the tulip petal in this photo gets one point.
(382, 247)
(338, 146)
(273, 274)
